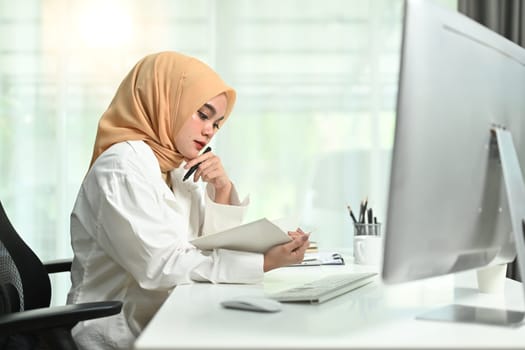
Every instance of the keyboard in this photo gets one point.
(326, 288)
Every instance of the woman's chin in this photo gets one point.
(190, 155)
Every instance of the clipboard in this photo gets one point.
(321, 258)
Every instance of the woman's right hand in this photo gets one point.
(287, 253)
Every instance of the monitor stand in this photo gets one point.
(515, 190)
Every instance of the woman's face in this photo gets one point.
(199, 129)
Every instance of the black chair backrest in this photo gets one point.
(22, 274)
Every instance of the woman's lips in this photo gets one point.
(199, 145)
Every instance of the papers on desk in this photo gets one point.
(321, 258)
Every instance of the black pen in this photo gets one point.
(351, 214)
(369, 220)
(193, 168)
(362, 210)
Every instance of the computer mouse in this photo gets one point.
(252, 303)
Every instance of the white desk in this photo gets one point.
(374, 316)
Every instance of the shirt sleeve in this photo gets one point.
(148, 239)
(220, 217)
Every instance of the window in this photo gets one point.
(311, 132)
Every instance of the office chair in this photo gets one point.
(26, 320)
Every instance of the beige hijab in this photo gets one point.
(154, 100)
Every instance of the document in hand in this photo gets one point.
(257, 236)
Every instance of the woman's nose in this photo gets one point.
(208, 130)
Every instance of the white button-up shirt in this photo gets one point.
(130, 234)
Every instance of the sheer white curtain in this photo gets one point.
(312, 130)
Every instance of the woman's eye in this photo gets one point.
(204, 117)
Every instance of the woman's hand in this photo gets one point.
(298, 233)
(287, 253)
(211, 170)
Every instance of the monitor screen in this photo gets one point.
(447, 205)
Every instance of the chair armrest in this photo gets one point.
(56, 317)
(59, 265)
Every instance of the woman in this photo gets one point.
(134, 215)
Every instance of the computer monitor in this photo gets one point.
(461, 98)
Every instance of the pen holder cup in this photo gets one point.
(368, 244)
(367, 229)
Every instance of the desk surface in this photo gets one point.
(375, 316)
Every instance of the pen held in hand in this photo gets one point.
(195, 167)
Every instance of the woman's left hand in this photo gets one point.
(298, 233)
(211, 170)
